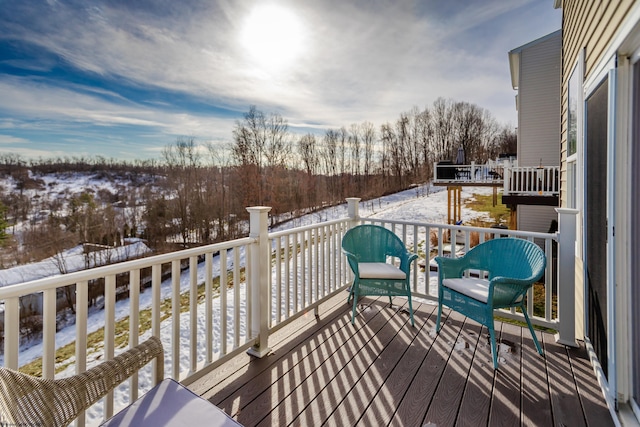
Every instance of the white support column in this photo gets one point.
(506, 175)
(567, 276)
(259, 279)
(11, 335)
(353, 211)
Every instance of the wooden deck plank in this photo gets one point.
(414, 406)
(289, 364)
(505, 401)
(565, 403)
(334, 396)
(372, 327)
(324, 370)
(351, 409)
(443, 409)
(595, 409)
(536, 405)
(383, 406)
(231, 375)
(476, 400)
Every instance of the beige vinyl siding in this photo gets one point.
(539, 112)
(536, 218)
(589, 25)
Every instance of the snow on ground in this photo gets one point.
(421, 204)
(45, 188)
(74, 259)
(429, 208)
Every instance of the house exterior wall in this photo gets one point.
(539, 118)
(592, 26)
(536, 218)
(539, 102)
(607, 34)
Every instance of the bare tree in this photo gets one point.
(368, 133)
(442, 123)
(220, 191)
(260, 148)
(329, 156)
(310, 159)
(468, 126)
(183, 161)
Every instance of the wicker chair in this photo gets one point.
(513, 266)
(26, 400)
(367, 248)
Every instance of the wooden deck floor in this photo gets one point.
(325, 371)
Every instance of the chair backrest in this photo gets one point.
(372, 243)
(508, 257)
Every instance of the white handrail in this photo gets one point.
(532, 180)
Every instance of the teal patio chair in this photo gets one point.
(513, 266)
(373, 253)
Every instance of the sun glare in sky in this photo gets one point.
(273, 36)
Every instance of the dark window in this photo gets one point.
(572, 116)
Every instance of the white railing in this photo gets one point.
(532, 181)
(223, 299)
(307, 267)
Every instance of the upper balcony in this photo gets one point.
(261, 328)
(521, 185)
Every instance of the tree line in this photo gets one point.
(197, 193)
(310, 171)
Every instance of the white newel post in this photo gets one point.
(259, 279)
(567, 276)
(353, 211)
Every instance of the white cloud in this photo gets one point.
(363, 60)
(26, 98)
(9, 139)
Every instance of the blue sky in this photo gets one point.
(124, 79)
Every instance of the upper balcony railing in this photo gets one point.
(532, 181)
(515, 180)
(227, 298)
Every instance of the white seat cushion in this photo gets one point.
(380, 270)
(478, 289)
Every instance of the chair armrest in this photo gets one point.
(106, 376)
(30, 400)
(405, 261)
(451, 267)
(353, 261)
(507, 290)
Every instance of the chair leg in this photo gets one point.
(438, 325)
(411, 310)
(355, 306)
(533, 334)
(494, 351)
(352, 290)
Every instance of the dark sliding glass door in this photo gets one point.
(635, 236)
(596, 220)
